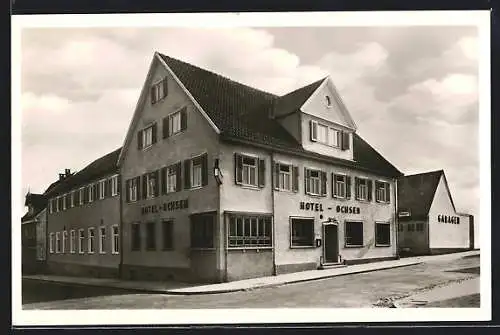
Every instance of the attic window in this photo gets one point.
(328, 101)
(159, 91)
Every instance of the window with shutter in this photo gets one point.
(165, 128)
(175, 122)
(276, 174)
(144, 186)
(382, 192)
(196, 172)
(154, 131)
(204, 170)
(313, 130)
(187, 174)
(179, 177)
(345, 141)
(183, 119)
(148, 136)
(238, 169)
(295, 178)
(324, 181)
(159, 90)
(139, 139)
(315, 182)
(262, 173)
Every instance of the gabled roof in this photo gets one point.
(416, 192)
(99, 168)
(291, 102)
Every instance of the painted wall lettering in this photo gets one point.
(167, 207)
(448, 219)
(348, 209)
(311, 206)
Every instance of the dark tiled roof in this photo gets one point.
(98, 168)
(243, 113)
(38, 201)
(416, 192)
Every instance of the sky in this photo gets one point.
(413, 91)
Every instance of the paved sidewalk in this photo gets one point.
(240, 285)
(454, 290)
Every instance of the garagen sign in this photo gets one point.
(448, 219)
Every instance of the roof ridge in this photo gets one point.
(424, 173)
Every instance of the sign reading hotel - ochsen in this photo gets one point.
(318, 207)
(167, 206)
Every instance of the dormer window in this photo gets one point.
(328, 101)
(326, 135)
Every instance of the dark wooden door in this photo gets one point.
(331, 243)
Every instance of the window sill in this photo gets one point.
(353, 246)
(135, 250)
(151, 249)
(174, 134)
(195, 188)
(382, 202)
(115, 253)
(202, 249)
(336, 197)
(382, 245)
(316, 195)
(249, 248)
(147, 148)
(250, 187)
(167, 249)
(302, 247)
(285, 190)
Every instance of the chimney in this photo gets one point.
(61, 176)
(67, 172)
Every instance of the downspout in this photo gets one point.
(120, 229)
(275, 272)
(396, 218)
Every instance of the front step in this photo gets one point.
(331, 266)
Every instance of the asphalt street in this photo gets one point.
(372, 289)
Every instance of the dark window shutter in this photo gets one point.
(152, 92)
(388, 192)
(333, 184)
(163, 178)
(348, 187)
(144, 186)
(77, 198)
(356, 183)
(276, 175)
(165, 129)
(139, 139)
(97, 189)
(178, 177)
(295, 178)
(138, 187)
(204, 170)
(154, 132)
(96, 185)
(183, 119)
(324, 180)
(157, 182)
(119, 184)
(370, 189)
(345, 141)
(85, 194)
(313, 131)
(165, 87)
(306, 181)
(262, 173)
(107, 187)
(238, 168)
(127, 193)
(187, 174)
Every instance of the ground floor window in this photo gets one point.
(302, 232)
(115, 239)
(382, 234)
(81, 238)
(72, 241)
(202, 231)
(58, 242)
(168, 234)
(151, 236)
(91, 241)
(51, 243)
(354, 234)
(250, 231)
(135, 233)
(420, 226)
(102, 240)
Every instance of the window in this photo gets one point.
(328, 101)
(91, 190)
(81, 237)
(82, 195)
(315, 182)
(168, 234)
(91, 241)
(51, 243)
(329, 136)
(64, 197)
(115, 239)
(147, 137)
(286, 177)
(334, 138)
(302, 232)
(401, 227)
(382, 191)
(151, 236)
(249, 171)
(382, 234)
(136, 236)
(151, 184)
(341, 186)
(72, 199)
(202, 231)
(58, 242)
(72, 241)
(132, 189)
(353, 234)
(172, 172)
(250, 231)
(114, 185)
(196, 171)
(102, 189)
(411, 227)
(64, 240)
(174, 123)
(363, 189)
(102, 240)
(419, 226)
(159, 91)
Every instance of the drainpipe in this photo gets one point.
(275, 272)
(120, 227)
(396, 218)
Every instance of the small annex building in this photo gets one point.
(428, 220)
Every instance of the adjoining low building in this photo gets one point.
(32, 236)
(428, 220)
(84, 221)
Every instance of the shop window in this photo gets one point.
(159, 90)
(353, 234)
(135, 233)
(249, 171)
(382, 192)
(250, 231)
(151, 235)
(81, 238)
(115, 239)
(175, 123)
(302, 232)
(168, 234)
(91, 241)
(382, 234)
(363, 189)
(315, 182)
(202, 231)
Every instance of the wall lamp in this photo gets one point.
(217, 172)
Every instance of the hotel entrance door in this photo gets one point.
(331, 243)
